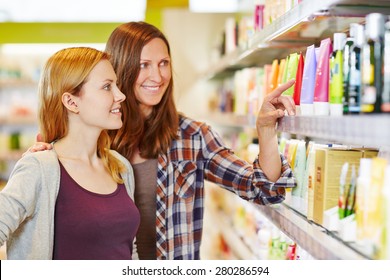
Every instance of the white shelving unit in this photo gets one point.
(365, 130)
(306, 24)
(320, 243)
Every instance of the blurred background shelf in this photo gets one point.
(11, 155)
(240, 249)
(18, 120)
(307, 23)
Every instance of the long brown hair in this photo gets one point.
(152, 134)
(67, 71)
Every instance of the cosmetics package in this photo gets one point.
(321, 89)
(308, 82)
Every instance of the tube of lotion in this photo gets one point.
(282, 65)
(273, 83)
(336, 75)
(308, 82)
(386, 195)
(343, 177)
(291, 72)
(351, 195)
(321, 89)
(284, 77)
(298, 83)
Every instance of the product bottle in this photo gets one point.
(346, 73)
(375, 222)
(230, 35)
(298, 83)
(351, 195)
(385, 107)
(347, 64)
(264, 241)
(372, 64)
(386, 215)
(258, 15)
(321, 89)
(362, 200)
(308, 82)
(342, 191)
(355, 73)
(336, 80)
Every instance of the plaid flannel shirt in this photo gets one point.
(199, 154)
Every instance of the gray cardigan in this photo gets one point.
(28, 201)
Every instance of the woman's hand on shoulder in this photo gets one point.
(38, 146)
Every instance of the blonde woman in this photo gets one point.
(76, 200)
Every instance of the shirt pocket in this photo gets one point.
(185, 179)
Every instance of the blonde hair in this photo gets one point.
(67, 71)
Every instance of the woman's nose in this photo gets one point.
(155, 74)
(119, 96)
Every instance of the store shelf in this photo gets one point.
(19, 120)
(362, 130)
(12, 83)
(307, 23)
(316, 240)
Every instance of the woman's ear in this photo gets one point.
(69, 102)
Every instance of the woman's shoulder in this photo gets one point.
(190, 126)
(43, 157)
(42, 162)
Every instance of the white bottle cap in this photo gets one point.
(339, 41)
(321, 108)
(336, 109)
(259, 2)
(307, 109)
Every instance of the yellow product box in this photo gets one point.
(370, 153)
(328, 165)
(367, 152)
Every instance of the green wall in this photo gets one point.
(55, 32)
(77, 32)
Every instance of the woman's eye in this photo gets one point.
(164, 63)
(143, 65)
(107, 87)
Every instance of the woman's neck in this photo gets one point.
(77, 147)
